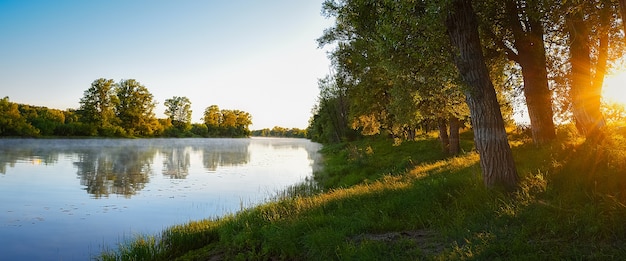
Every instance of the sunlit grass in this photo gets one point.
(141, 247)
(571, 204)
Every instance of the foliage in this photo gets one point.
(227, 123)
(123, 109)
(43, 119)
(97, 106)
(12, 123)
(135, 108)
(277, 131)
(178, 109)
(393, 61)
(200, 130)
(513, 36)
(614, 113)
(329, 123)
(78, 129)
(401, 66)
(212, 119)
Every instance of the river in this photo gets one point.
(68, 199)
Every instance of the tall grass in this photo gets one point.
(419, 205)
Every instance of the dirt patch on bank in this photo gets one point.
(427, 240)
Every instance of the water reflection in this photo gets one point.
(114, 170)
(24, 150)
(214, 154)
(176, 162)
(233, 154)
(124, 167)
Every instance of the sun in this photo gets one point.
(614, 88)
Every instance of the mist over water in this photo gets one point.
(68, 198)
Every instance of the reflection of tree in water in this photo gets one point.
(14, 150)
(215, 152)
(176, 162)
(118, 170)
(234, 153)
(123, 167)
(104, 166)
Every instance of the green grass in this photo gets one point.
(408, 202)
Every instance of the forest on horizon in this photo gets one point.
(120, 109)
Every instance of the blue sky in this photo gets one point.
(256, 56)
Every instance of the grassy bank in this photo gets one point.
(407, 202)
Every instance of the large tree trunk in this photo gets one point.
(539, 102)
(443, 135)
(584, 94)
(496, 159)
(455, 141)
(531, 56)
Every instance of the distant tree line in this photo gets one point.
(281, 132)
(123, 109)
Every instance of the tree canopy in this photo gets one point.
(229, 123)
(178, 109)
(98, 103)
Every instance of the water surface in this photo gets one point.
(66, 199)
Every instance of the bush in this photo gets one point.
(76, 129)
(112, 131)
(200, 130)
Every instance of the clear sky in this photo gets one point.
(251, 55)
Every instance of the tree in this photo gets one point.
(394, 60)
(135, 108)
(228, 123)
(12, 123)
(97, 106)
(518, 31)
(585, 22)
(42, 118)
(213, 120)
(585, 37)
(178, 109)
(490, 137)
(243, 122)
(278, 131)
(390, 59)
(329, 123)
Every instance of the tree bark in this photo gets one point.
(496, 158)
(531, 57)
(584, 94)
(443, 135)
(454, 126)
(410, 133)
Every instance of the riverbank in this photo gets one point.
(409, 202)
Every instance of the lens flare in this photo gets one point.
(614, 88)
